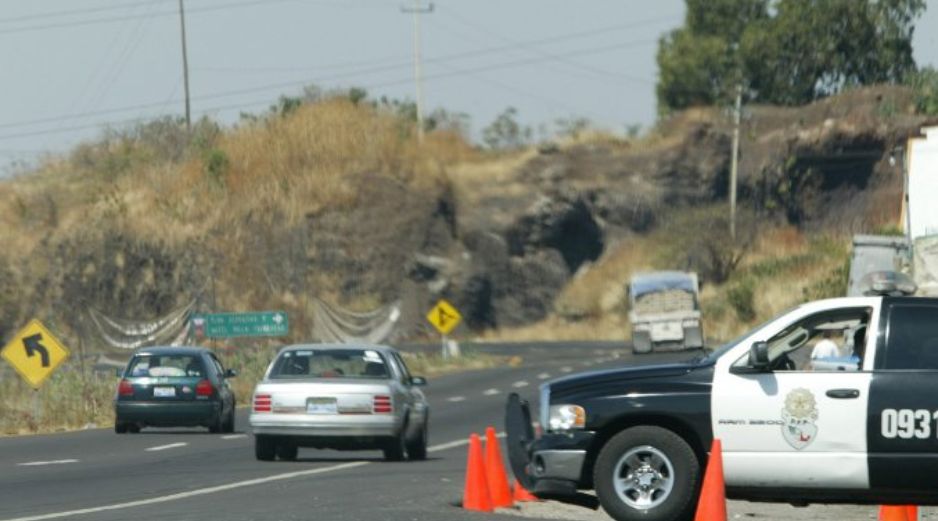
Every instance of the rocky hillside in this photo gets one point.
(335, 199)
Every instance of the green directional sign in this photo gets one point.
(230, 325)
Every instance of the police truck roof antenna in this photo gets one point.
(417, 10)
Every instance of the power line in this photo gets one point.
(73, 12)
(453, 73)
(473, 53)
(540, 52)
(444, 59)
(198, 10)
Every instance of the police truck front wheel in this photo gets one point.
(647, 473)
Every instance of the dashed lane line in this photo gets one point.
(543, 376)
(234, 436)
(520, 384)
(43, 463)
(456, 399)
(491, 392)
(566, 369)
(455, 444)
(226, 487)
(166, 447)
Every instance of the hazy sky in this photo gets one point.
(71, 66)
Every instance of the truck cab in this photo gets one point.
(794, 427)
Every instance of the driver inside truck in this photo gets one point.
(826, 347)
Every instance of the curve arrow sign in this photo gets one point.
(33, 345)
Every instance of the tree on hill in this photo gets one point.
(787, 52)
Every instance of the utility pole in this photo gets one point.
(734, 165)
(417, 10)
(185, 64)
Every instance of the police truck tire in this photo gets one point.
(647, 473)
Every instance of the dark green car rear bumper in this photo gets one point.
(168, 414)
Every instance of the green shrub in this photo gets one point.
(215, 165)
(925, 84)
(741, 297)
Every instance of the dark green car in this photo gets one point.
(174, 387)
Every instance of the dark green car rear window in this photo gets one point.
(166, 366)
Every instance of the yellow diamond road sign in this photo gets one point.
(444, 317)
(35, 353)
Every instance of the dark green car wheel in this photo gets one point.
(229, 426)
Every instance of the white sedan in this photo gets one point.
(345, 397)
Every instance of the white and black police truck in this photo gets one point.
(794, 428)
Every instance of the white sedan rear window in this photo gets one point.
(331, 363)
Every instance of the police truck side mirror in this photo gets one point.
(759, 356)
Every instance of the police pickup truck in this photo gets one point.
(792, 430)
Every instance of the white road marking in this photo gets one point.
(192, 493)
(165, 447)
(234, 436)
(519, 385)
(455, 399)
(491, 392)
(566, 369)
(543, 376)
(587, 363)
(226, 487)
(457, 443)
(41, 463)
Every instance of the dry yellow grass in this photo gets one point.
(783, 264)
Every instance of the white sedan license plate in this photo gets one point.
(164, 392)
(321, 406)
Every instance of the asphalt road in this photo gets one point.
(189, 474)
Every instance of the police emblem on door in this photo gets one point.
(799, 417)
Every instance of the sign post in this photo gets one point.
(444, 317)
(231, 325)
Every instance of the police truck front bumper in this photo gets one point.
(557, 462)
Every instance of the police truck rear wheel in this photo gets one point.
(647, 473)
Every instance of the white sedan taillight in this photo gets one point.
(382, 404)
(262, 403)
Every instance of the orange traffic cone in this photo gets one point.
(898, 513)
(521, 494)
(476, 493)
(712, 503)
(495, 472)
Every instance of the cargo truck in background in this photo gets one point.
(916, 253)
(664, 310)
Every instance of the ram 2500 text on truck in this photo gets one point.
(793, 429)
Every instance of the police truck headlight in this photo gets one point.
(566, 417)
